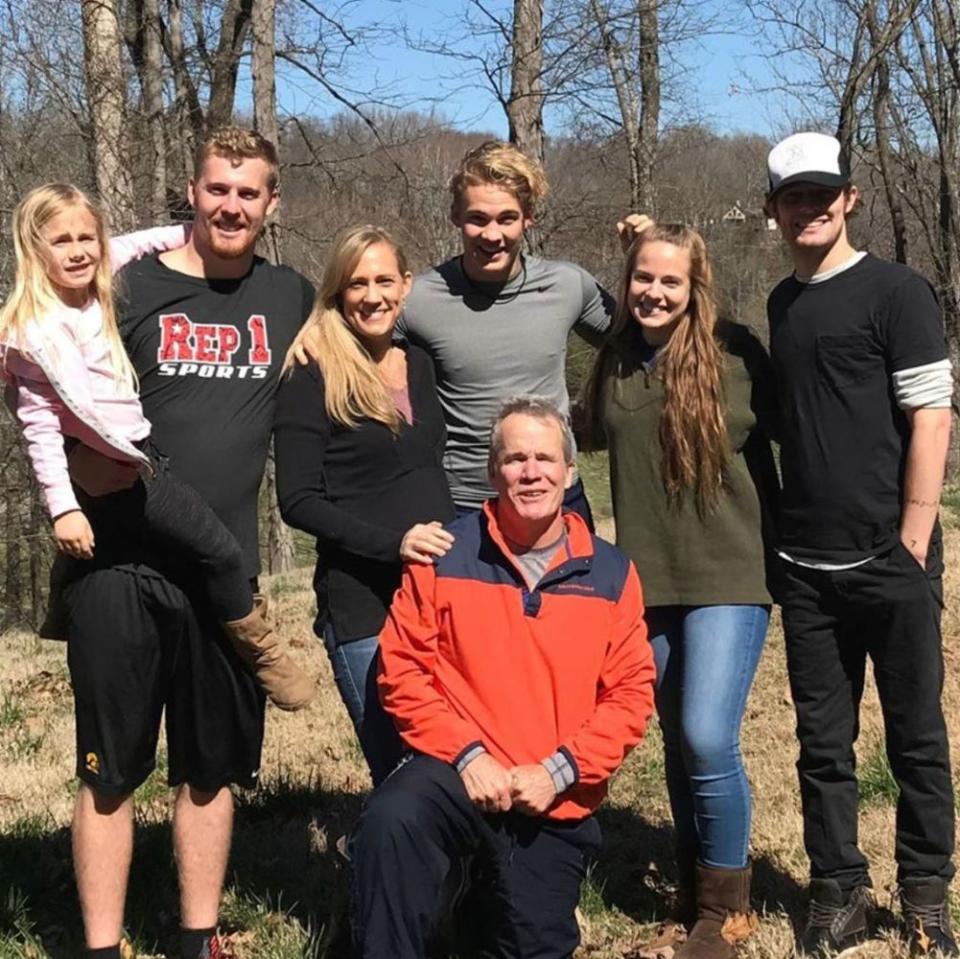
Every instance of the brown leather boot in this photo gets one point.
(285, 683)
(724, 917)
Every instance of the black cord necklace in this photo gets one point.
(495, 297)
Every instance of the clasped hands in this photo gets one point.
(490, 785)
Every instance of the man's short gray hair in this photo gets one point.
(540, 408)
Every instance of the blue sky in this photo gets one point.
(722, 70)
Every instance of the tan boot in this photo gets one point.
(724, 917)
(285, 683)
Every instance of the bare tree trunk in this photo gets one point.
(281, 556)
(144, 41)
(12, 580)
(106, 93)
(152, 87)
(226, 63)
(881, 120)
(189, 115)
(865, 59)
(626, 99)
(525, 106)
(38, 565)
(649, 100)
(263, 27)
(947, 45)
(280, 549)
(640, 114)
(938, 85)
(857, 77)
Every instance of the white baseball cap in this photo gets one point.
(807, 158)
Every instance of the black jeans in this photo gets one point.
(412, 834)
(888, 609)
(169, 517)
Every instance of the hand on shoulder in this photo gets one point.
(631, 226)
(306, 345)
(425, 541)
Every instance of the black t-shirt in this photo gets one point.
(835, 346)
(208, 354)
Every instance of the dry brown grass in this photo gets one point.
(283, 877)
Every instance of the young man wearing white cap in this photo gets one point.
(865, 386)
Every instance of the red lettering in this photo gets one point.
(183, 341)
(204, 338)
(259, 347)
(229, 341)
(175, 330)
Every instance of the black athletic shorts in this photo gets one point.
(136, 647)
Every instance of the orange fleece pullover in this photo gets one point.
(472, 659)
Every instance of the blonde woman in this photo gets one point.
(359, 446)
(681, 400)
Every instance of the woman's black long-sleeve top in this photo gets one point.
(358, 490)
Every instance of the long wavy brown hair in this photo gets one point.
(693, 428)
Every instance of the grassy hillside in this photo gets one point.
(284, 883)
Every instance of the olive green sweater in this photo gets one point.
(684, 558)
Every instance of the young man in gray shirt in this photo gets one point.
(495, 321)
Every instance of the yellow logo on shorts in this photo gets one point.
(93, 764)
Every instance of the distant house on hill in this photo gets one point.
(755, 218)
(734, 215)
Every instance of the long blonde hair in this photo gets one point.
(353, 389)
(693, 429)
(34, 296)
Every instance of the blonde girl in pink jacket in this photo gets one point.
(69, 382)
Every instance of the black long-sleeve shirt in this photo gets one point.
(358, 490)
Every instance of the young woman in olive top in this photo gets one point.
(682, 400)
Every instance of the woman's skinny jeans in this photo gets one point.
(706, 659)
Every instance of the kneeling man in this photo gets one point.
(518, 672)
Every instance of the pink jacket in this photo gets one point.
(59, 385)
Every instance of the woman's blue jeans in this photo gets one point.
(706, 659)
(355, 673)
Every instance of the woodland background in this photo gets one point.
(113, 95)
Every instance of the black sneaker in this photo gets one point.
(926, 917)
(836, 920)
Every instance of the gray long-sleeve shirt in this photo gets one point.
(490, 342)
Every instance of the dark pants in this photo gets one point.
(170, 517)
(414, 831)
(889, 610)
(574, 499)
(138, 650)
